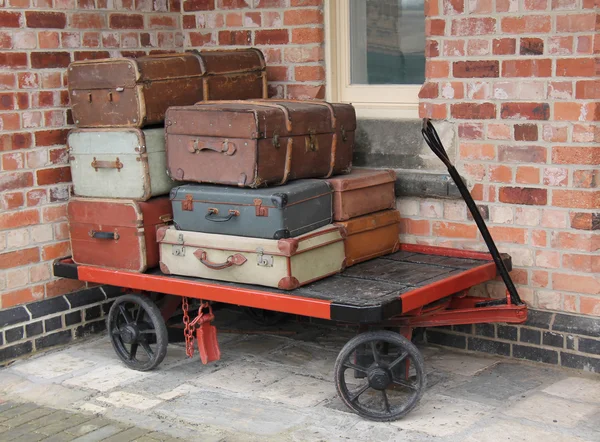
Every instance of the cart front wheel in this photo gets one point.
(137, 332)
(380, 375)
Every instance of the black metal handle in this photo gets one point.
(433, 141)
(212, 216)
(104, 235)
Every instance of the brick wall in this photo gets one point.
(289, 32)
(519, 82)
(38, 39)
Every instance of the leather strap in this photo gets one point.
(232, 260)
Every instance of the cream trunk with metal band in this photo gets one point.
(119, 163)
(285, 263)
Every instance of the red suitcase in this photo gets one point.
(119, 234)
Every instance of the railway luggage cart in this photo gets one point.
(379, 373)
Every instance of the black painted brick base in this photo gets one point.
(549, 337)
(56, 321)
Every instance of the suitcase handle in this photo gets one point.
(104, 235)
(116, 164)
(226, 147)
(212, 215)
(232, 260)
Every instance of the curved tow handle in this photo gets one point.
(98, 234)
(232, 260)
(212, 215)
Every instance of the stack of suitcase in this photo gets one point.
(117, 157)
(261, 191)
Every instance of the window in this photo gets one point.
(376, 54)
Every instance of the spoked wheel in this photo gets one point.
(138, 332)
(380, 375)
(264, 317)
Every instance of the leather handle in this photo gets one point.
(212, 215)
(100, 164)
(98, 234)
(226, 147)
(232, 260)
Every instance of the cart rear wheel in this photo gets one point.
(137, 332)
(380, 375)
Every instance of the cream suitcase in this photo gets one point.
(285, 263)
(119, 163)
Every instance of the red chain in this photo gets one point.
(190, 326)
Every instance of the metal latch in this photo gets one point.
(180, 249)
(262, 259)
(310, 142)
(188, 203)
(259, 209)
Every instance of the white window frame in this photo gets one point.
(370, 101)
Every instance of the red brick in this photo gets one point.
(23, 218)
(454, 48)
(305, 35)
(234, 20)
(305, 92)
(526, 24)
(522, 154)
(556, 176)
(61, 231)
(589, 305)
(50, 60)
(526, 132)
(576, 155)
(527, 175)
(269, 3)
(13, 60)
(189, 21)
(476, 69)
(526, 111)
(478, 47)
(7, 101)
(233, 4)
(22, 296)
(527, 68)
(581, 199)
(414, 227)
(429, 90)
(586, 179)
(277, 73)
(48, 20)
(7, 80)
(454, 230)
(473, 111)
(58, 250)
(271, 37)
(198, 5)
(434, 27)
(235, 37)
(432, 110)
(470, 131)
(309, 73)
(306, 2)
(565, 111)
(12, 200)
(560, 45)
(515, 235)
(576, 283)
(296, 17)
(470, 27)
(523, 195)
(584, 242)
(500, 174)
(504, 46)
(587, 89)
(91, 39)
(531, 46)
(10, 19)
(585, 221)
(126, 21)
(453, 7)
(162, 22)
(51, 137)
(202, 38)
(54, 213)
(576, 22)
(437, 69)
(575, 67)
(62, 286)
(53, 175)
(252, 19)
(88, 20)
(481, 152)
(19, 258)
(90, 55)
(37, 197)
(581, 263)
(15, 180)
(13, 161)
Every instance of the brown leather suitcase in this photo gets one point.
(119, 234)
(370, 236)
(123, 92)
(362, 191)
(259, 142)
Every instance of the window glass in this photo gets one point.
(387, 42)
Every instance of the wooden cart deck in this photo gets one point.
(369, 292)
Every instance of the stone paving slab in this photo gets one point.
(279, 388)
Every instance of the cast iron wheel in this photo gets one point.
(137, 332)
(381, 392)
(265, 317)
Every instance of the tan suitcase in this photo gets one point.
(362, 191)
(286, 263)
(370, 236)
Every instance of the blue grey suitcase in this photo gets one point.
(272, 213)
